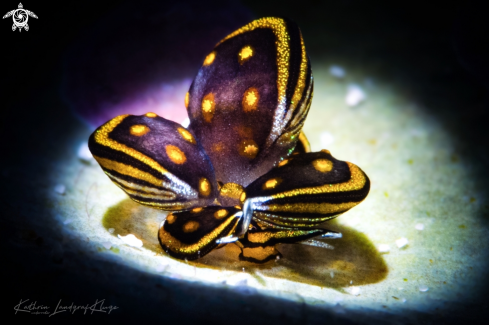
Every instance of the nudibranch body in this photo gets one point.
(242, 172)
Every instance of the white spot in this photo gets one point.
(60, 189)
(337, 71)
(106, 244)
(423, 288)
(419, 226)
(131, 240)
(331, 273)
(111, 230)
(403, 300)
(401, 242)
(354, 291)
(185, 122)
(384, 248)
(84, 153)
(326, 139)
(355, 95)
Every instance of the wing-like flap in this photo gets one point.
(249, 100)
(192, 234)
(307, 189)
(155, 161)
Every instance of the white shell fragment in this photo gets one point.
(354, 291)
(419, 226)
(384, 248)
(354, 95)
(337, 71)
(401, 242)
(423, 288)
(326, 139)
(111, 230)
(60, 189)
(84, 153)
(131, 240)
(106, 244)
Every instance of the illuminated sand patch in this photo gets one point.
(415, 180)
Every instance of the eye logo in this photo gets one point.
(20, 17)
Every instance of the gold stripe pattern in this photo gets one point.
(321, 208)
(179, 247)
(301, 81)
(356, 182)
(128, 170)
(263, 237)
(278, 26)
(102, 138)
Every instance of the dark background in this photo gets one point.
(436, 51)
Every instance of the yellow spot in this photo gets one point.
(323, 165)
(204, 187)
(196, 210)
(186, 99)
(171, 218)
(242, 198)
(231, 190)
(186, 135)
(248, 148)
(208, 107)
(410, 161)
(175, 154)
(282, 45)
(139, 130)
(245, 53)
(191, 226)
(219, 214)
(250, 99)
(150, 114)
(209, 58)
(283, 162)
(326, 151)
(271, 183)
(237, 207)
